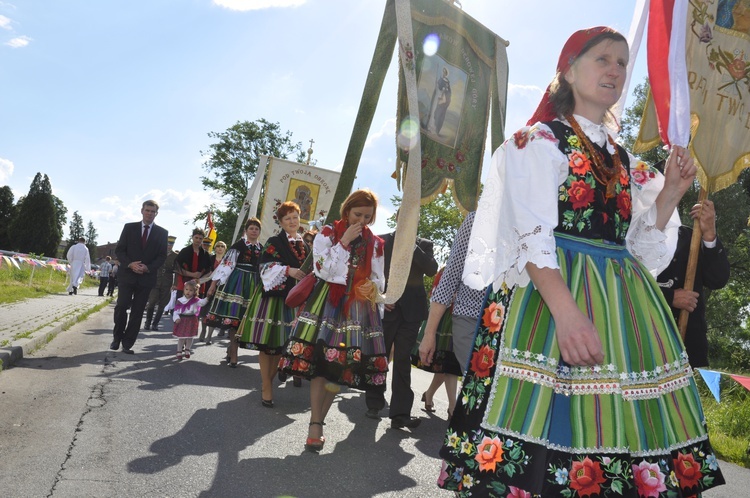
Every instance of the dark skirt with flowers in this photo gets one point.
(266, 325)
(348, 349)
(233, 297)
(443, 360)
(527, 423)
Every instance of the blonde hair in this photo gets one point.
(191, 284)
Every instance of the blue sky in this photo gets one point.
(114, 100)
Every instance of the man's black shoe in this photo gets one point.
(115, 345)
(75, 290)
(405, 422)
(372, 413)
(147, 327)
(128, 351)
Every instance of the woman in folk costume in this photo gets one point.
(268, 320)
(339, 334)
(238, 281)
(579, 385)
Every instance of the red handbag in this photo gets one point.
(300, 292)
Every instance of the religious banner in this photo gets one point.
(717, 57)
(461, 71)
(310, 187)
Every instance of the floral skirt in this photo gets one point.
(443, 360)
(266, 325)
(348, 349)
(529, 424)
(232, 299)
(187, 327)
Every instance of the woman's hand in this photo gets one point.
(351, 233)
(296, 273)
(578, 339)
(427, 347)
(212, 289)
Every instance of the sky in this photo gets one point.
(114, 100)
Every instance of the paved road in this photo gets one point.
(79, 420)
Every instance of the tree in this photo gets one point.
(232, 162)
(91, 237)
(35, 228)
(631, 123)
(7, 213)
(75, 231)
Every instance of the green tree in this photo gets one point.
(7, 213)
(232, 162)
(61, 216)
(91, 236)
(75, 230)
(35, 228)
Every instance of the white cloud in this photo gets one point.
(18, 42)
(528, 91)
(245, 5)
(4, 22)
(6, 170)
(387, 129)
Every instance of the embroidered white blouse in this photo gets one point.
(331, 262)
(518, 211)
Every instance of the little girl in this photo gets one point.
(186, 318)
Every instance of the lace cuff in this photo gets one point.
(272, 275)
(649, 245)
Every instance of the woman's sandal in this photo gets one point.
(428, 407)
(315, 444)
(267, 403)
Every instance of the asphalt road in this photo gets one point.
(78, 420)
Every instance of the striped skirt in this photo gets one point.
(528, 422)
(348, 349)
(232, 299)
(266, 325)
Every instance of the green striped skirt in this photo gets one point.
(266, 325)
(628, 427)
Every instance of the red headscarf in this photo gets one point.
(570, 52)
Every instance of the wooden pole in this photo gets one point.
(695, 244)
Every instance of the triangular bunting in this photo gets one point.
(712, 380)
(745, 381)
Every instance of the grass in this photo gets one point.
(728, 421)
(17, 285)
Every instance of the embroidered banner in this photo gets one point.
(310, 187)
(461, 71)
(717, 51)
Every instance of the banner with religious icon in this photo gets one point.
(461, 72)
(312, 188)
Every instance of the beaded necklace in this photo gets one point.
(602, 173)
(298, 248)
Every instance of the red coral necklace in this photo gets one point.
(602, 173)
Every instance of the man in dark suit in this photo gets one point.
(711, 272)
(141, 250)
(401, 324)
